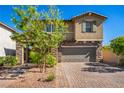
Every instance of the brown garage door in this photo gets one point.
(78, 54)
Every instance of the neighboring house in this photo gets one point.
(83, 41)
(7, 45)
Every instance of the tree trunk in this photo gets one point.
(40, 65)
(40, 68)
(44, 64)
(26, 54)
(43, 67)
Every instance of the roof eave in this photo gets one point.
(6, 26)
(100, 15)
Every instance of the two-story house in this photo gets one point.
(83, 42)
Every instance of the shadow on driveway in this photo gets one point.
(100, 67)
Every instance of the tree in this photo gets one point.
(24, 15)
(117, 45)
(33, 26)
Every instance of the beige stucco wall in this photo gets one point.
(5, 41)
(70, 25)
(91, 36)
(70, 35)
(110, 57)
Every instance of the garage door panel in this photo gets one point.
(78, 54)
(73, 58)
(74, 51)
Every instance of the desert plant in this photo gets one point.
(50, 77)
(51, 60)
(10, 61)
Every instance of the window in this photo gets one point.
(49, 28)
(89, 26)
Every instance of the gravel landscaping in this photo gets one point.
(26, 78)
(33, 79)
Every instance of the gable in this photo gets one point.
(90, 14)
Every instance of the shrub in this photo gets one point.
(121, 62)
(106, 47)
(1, 61)
(34, 57)
(51, 60)
(10, 60)
(50, 77)
(117, 45)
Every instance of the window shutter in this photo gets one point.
(84, 27)
(94, 27)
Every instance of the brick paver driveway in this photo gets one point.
(89, 75)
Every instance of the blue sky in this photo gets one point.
(113, 26)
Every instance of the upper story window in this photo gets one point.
(49, 28)
(89, 26)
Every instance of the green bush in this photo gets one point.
(34, 57)
(10, 60)
(117, 45)
(50, 77)
(51, 60)
(121, 63)
(1, 61)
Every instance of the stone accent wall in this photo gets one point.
(99, 53)
(80, 43)
(57, 52)
(20, 53)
